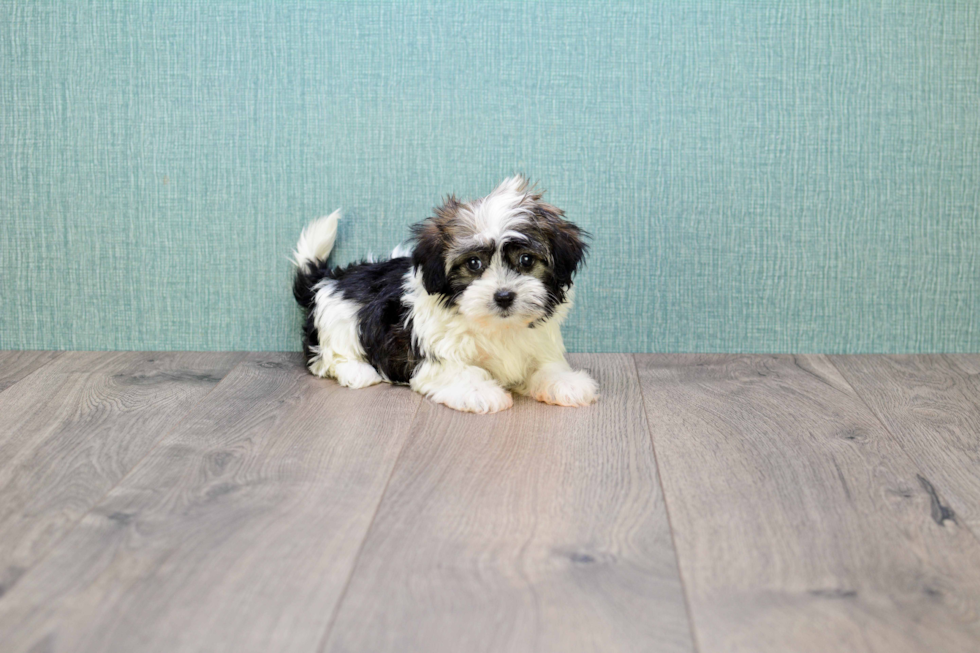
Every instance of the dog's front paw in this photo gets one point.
(565, 388)
(356, 374)
(476, 398)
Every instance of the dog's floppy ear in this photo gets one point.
(427, 256)
(566, 241)
(431, 242)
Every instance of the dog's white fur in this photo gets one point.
(477, 359)
(474, 354)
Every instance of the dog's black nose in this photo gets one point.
(504, 298)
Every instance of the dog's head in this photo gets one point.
(505, 258)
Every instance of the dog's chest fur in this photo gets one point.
(440, 332)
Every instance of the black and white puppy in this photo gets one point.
(473, 311)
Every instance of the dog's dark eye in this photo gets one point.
(474, 264)
(526, 260)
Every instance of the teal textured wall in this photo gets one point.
(791, 175)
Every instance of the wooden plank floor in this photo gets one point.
(232, 502)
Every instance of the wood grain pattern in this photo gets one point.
(536, 529)
(71, 431)
(237, 533)
(800, 524)
(968, 363)
(15, 365)
(273, 511)
(932, 407)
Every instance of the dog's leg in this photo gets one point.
(555, 382)
(339, 353)
(463, 387)
(356, 374)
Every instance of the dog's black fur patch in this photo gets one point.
(384, 327)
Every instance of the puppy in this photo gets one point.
(472, 312)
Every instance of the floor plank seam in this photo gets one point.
(27, 376)
(367, 532)
(898, 441)
(663, 493)
(68, 531)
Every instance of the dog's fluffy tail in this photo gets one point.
(313, 248)
(316, 241)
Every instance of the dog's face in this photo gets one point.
(507, 258)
